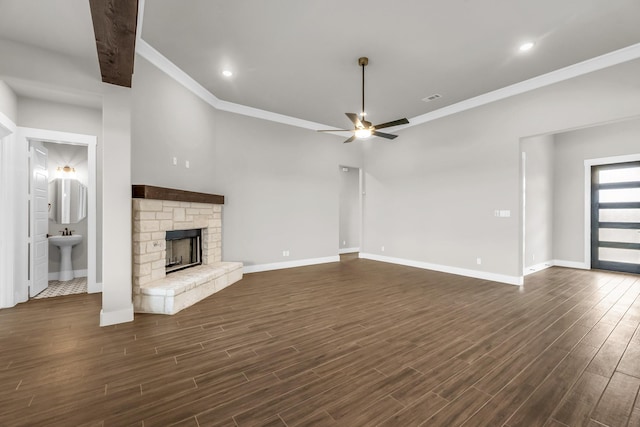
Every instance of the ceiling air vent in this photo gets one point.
(432, 97)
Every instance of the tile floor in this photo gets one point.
(56, 288)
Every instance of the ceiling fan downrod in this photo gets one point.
(363, 61)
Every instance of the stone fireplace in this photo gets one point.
(160, 215)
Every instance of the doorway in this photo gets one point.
(615, 217)
(30, 137)
(58, 219)
(350, 210)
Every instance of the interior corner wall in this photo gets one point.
(432, 193)
(42, 114)
(538, 229)
(571, 150)
(280, 183)
(8, 102)
(349, 208)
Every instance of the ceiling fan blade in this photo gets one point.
(350, 139)
(355, 120)
(335, 130)
(384, 135)
(393, 123)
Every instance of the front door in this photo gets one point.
(615, 217)
(39, 224)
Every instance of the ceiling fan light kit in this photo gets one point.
(363, 128)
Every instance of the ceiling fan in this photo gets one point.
(363, 128)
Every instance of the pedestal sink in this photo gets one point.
(65, 243)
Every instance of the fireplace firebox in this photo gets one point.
(184, 249)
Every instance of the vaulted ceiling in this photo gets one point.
(299, 58)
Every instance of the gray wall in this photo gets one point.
(538, 195)
(572, 149)
(41, 114)
(8, 102)
(280, 183)
(431, 194)
(349, 207)
(74, 156)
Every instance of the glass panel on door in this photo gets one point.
(619, 235)
(619, 255)
(619, 215)
(620, 195)
(607, 176)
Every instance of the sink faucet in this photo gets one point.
(67, 232)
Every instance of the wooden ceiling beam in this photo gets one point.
(114, 25)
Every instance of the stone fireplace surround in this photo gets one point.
(157, 210)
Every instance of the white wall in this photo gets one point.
(349, 208)
(571, 150)
(280, 183)
(431, 194)
(42, 114)
(539, 184)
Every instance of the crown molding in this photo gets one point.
(616, 57)
(149, 53)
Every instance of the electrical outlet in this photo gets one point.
(285, 253)
(382, 248)
(344, 243)
(186, 164)
(175, 161)
(478, 261)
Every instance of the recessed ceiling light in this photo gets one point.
(227, 73)
(526, 46)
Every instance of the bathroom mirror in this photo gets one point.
(67, 201)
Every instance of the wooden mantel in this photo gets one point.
(162, 193)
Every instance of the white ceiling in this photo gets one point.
(299, 58)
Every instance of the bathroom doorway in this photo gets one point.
(62, 258)
(65, 217)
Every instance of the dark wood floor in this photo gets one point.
(356, 343)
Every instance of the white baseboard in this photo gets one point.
(76, 273)
(115, 317)
(538, 267)
(94, 288)
(502, 278)
(348, 250)
(571, 264)
(288, 264)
